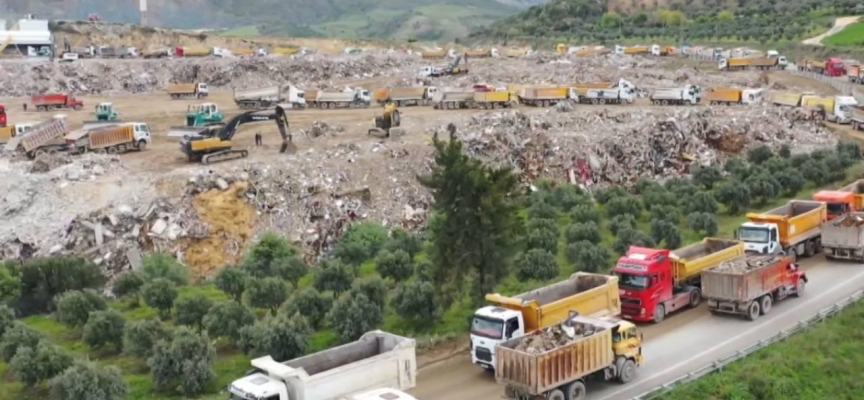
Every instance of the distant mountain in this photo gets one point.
(400, 19)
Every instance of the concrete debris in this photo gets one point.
(47, 162)
(320, 128)
(143, 76)
(745, 264)
(850, 220)
(620, 145)
(554, 337)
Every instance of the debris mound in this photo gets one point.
(554, 337)
(231, 222)
(47, 162)
(850, 221)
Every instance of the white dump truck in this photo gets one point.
(44, 138)
(354, 371)
(270, 96)
(110, 139)
(843, 237)
(688, 95)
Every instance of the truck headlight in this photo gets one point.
(642, 311)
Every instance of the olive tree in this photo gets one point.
(105, 328)
(415, 301)
(34, 365)
(160, 294)
(187, 360)
(232, 281)
(86, 380)
(536, 264)
(129, 285)
(74, 307)
(225, 319)
(190, 310)
(139, 337)
(352, 315)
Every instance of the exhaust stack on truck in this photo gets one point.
(375, 361)
(513, 317)
(555, 363)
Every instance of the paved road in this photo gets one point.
(684, 342)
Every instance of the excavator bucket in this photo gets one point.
(288, 147)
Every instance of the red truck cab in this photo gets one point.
(3, 120)
(646, 285)
(838, 202)
(834, 67)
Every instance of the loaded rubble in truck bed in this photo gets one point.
(745, 264)
(554, 337)
(850, 221)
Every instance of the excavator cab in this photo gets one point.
(387, 122)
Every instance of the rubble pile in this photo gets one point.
(554, 337)
(143, 76)
(320, 128)
(851, 220)
(621, 145)
(745, 264)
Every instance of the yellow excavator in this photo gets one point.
(389, 123)
(212, 143)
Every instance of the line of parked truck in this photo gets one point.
(742, 276)
(54, 135)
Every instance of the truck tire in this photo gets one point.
(695, 298)
(809, 249)
(627, 372)
(601, 101)
(575, 391)
(799, 288)
(77, 107)
(142, 145)
(556, 394)
(659, 313)
(765, 304)
(753, 310)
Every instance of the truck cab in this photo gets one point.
(430, 92)
(490, 326)
(644, 276)
(760, 237)
(619, 49)
(201, 89)
(843, 106)
(834, 67)
(362, 95)
(3, 118)
(838, 202)
(105, 112)
(752, 96)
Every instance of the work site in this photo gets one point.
(199, 155)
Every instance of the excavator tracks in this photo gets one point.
(224, 155)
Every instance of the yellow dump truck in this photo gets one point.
(243, 52)
(728, 96)
(286, 51)
(188, 90)
(516, 316)
(605, 348)
(786, 99)
(478, 53)
(826, 103)
(793, 228)
(487, 100)
(10, 131)
(544, 96)
(637, 50)
(434, 54)
(196, 51)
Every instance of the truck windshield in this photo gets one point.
(490, 328)
(835, 208)
(757, 235)
(631, 281)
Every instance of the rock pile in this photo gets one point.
(554, 337)
(142, 76)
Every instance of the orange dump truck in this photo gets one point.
(544, 96)
(838, 202)
(857, 190)
(855, 73)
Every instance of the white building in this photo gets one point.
(25, 33)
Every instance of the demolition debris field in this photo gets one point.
(112, 209)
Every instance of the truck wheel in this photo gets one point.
(77, 107)
(799, 288)
(601, 101)
(664, 102)
(142, 145)
(753, 310)
(556, 394)
(809, 249)
(112, 150)
(575, 391)
(765, 304)
(695, 298)
(595, 101)
(659, 313)
(627, 372)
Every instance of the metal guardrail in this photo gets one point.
(843, 85)
(718, 365)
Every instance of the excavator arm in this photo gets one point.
(279, 115)
(213, 142)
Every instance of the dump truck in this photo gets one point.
(541, 367)
(632, 50)
(188, 90)
(406, 96)
(793, 228)
(857, 119)
(270, 96)
(750, 284)
(742, 63)
(43, 138)
(843, 237)
(857, 190)
(678, 275)
(855, 74)
(452, 100)
(547, 96)
(837, 202)
(688, 95)
(377, 360)
(180, 51)
(117, 52)
(614, 95)
(435, 53)
(492, 100)
(55, 101)
(836, 109)
(15, 130)
(354, 98)
(789, 99)
(729, 96)
(110, 139)
(482, 53)
(516, 316)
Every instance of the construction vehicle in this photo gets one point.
(632, 50)
(353, 98)
(212, 143)
(513, 317)
(835, 109)
(482, 53)
(181, 51)
(438, 53)
(688, 95)
(269, 96)
(376, 361)
(451, 100)
(789, 99)
(729, 96)
(454, 68)
(742, 63)
(203, 114)
(117, 52)
(547, 96)
(405, 96)
(617, 94)
(513, 53)
(600, 348)
(105, 112)
(158, 53)
(492, 100)
(793, 229)
(473, 99)
(389, 123)
(14, 130)
(855, 74)
(750, 284)
(857, 190)
(843, 237)
(582, 88)
(837, 202)
(55, 101)
(830, 67)
(3, 119)
(857, 118)
(657, 282)
(43, 138)
(188, 90)
(657, 50)
(112, 139)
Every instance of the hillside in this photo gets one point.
(735, 20)
(403, 19)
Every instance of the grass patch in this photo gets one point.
(851, 35)
(821, 363)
